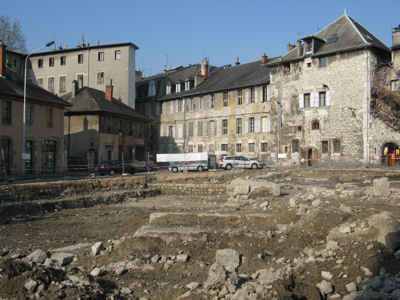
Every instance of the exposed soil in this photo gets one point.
(289, 234)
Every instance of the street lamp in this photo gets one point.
(24, 110)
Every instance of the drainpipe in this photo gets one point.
(280, 112)
(368, 107)
(88, 67)
(184, 125)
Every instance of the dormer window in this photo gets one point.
(169, 88)
(187, 85)
(178, 87)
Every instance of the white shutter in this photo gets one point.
(246, 125)
(176, 105)
(301, 101)
(268, 92)
(328, 98)
(316, 99)
(258, 125)
(269, 124)
(183, 104)
(312, 100)
(247, 96)
(262, 94)
(256, 95)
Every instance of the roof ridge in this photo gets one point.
(330, 24)
(351, 20)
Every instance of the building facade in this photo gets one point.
(91, 66)
(44, 142)
(324, 86)
(100, 128)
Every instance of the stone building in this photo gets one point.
(230, 112)
(323, 86)
(90, 66)
(99, 128)
(44, 146)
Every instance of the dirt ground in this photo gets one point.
(288, 234)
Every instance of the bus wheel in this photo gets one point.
(175, 169)
(200, 168)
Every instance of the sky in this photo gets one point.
(177, 32)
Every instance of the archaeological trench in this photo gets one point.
(264, 234)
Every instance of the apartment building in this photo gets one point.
(91, 66)
(323, 85)
(44, 142)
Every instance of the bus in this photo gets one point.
(201, 161)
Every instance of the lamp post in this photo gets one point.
(24, 110)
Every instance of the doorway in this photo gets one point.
(312, 157)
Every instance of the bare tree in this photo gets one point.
(11, 34)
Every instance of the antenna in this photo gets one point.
(318, 28)
(345, 11)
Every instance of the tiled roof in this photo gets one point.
(343, 34)
(13, 87)
(89, 100)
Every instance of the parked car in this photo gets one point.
(115, 166)
(228, 162)
(141, 165)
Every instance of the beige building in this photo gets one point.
(324, 86)
(44, 122)
(90, 66)
(100, 128)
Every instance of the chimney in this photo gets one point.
(299, 48)
(74, 88)
(237, 61)
(290, 47)
(2, 59)
(396, 37)
(109, 91)
(98, 42)
(204, 68)
(264, 58)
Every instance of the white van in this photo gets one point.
(201, 161)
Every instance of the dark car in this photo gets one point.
(115, 166)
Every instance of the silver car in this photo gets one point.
(229, 162)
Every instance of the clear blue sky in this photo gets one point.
(185, 31)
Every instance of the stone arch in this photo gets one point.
(390, 154)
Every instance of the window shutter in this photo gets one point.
(176, 105)
(247, 96)
(183, 104)
(268, 92)
(312, 100)
(328, 98)
(316, 99)
(258, 124)
(173, 131)
(180, 130)
(256, 95)
(246, 125)
(301, 101)
(269, 124)
(215, 127)
(262, 94)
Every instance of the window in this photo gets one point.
(100, 77)
(201, 103)
(40, 63)
(251, 124)
(200, 128)
(325, 147)
(225, 126)
(336, 146)
(79, 78)
(238, 126)
(239, 97)
(315, 125)
(63, 60)
(170, 131)
(117, 54)
(180, 105)
(264, 147)
(266, 124)
(187, 85)
(193, 104)
(171, 107)
(308, 65)
(251, 147)
(212, 101)
(6, 113)
(80, 58)
(211, 148)
(252, 95)
(394, 85)
(307, 100)
(169, 88)
(322, 98)
(50, 84)
(266, 96)
(190, 148)
(212, 127)
(295, 146)
(51, 62)
(322, 62)
(100, 56)
(225, 99)
(50, 118)
(199, 148)
(40, 82)
(62, 84)
(238, 147)
(224, 147)
(190, 128)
